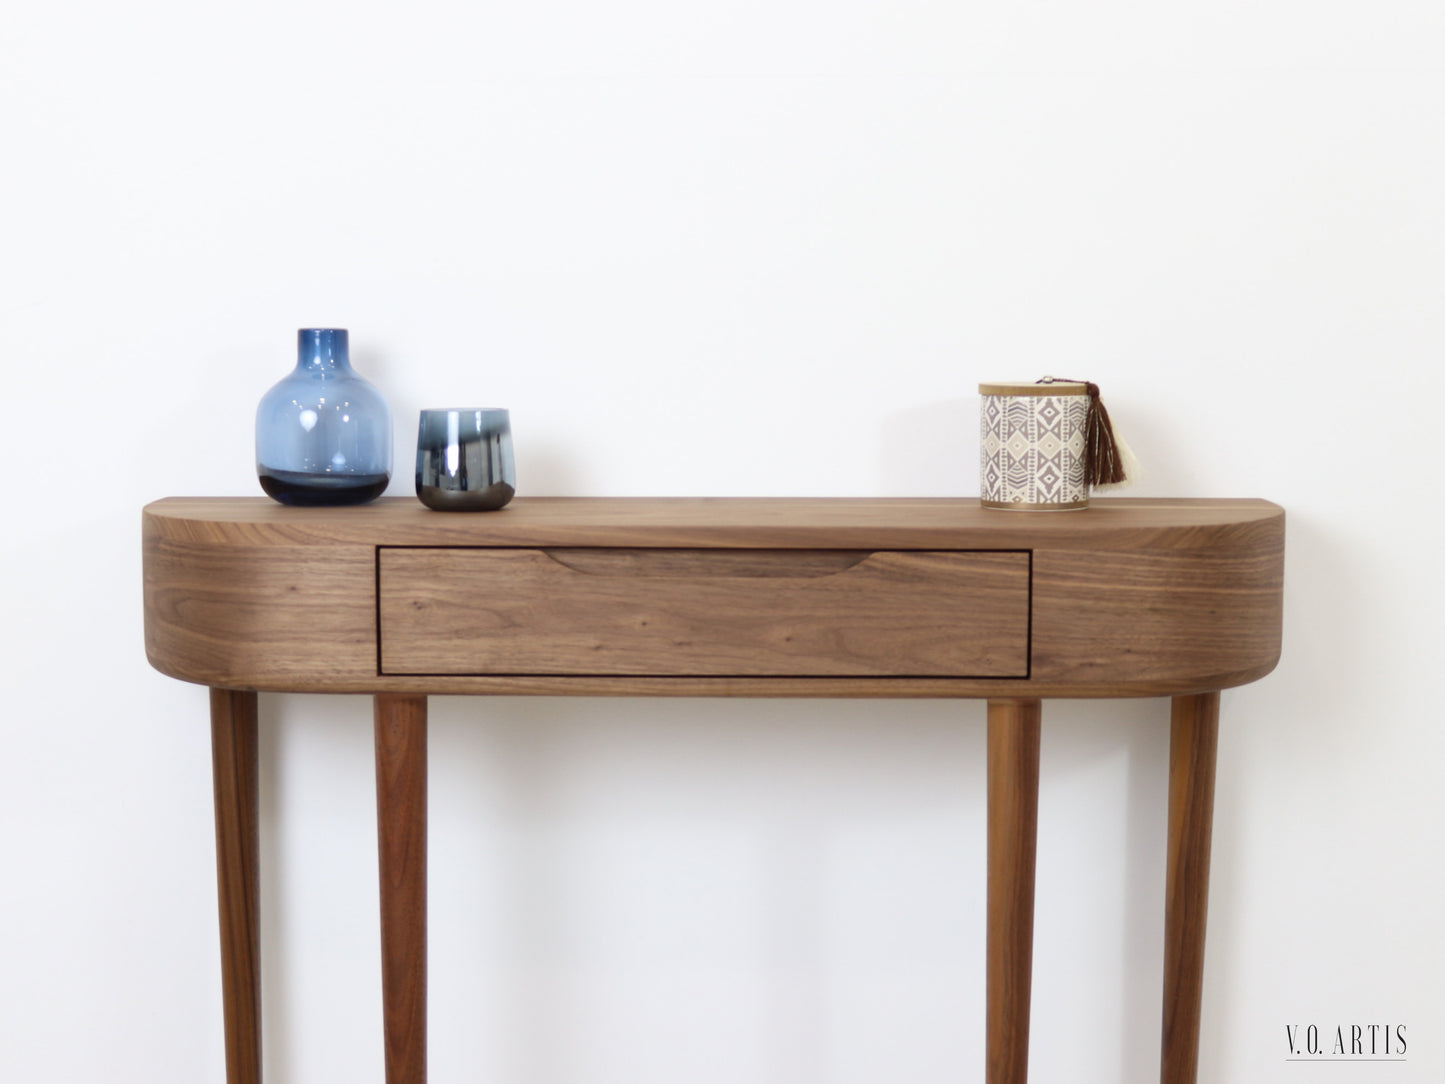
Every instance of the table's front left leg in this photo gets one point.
(1013, 817)
(235, 778)
(401, 833)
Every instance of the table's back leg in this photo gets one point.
(235, 780)
(1193, 741)
(401, 833)
(1013, 817)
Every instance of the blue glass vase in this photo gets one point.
(323, 434)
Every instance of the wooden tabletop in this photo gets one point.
(745, 522)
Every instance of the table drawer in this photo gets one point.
(743, 613)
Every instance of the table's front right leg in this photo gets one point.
(235, 779)
(1193, 743)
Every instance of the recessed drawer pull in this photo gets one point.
(694, 563)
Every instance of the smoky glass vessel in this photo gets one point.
(464, 460)
(323, 434)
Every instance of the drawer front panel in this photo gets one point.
(723, 613)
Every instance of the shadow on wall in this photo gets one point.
(1306, 719)
(813, 854)
(707, 846)
(1101, 872)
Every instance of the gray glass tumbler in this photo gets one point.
(464, 460)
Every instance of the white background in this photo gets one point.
(738, 249)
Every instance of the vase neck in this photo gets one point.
(323, 349)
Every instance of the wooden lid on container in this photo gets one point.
(1048, 387)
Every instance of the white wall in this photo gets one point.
(749, 248)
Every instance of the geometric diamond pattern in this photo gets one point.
(1032, 449)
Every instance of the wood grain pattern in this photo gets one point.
(1199, 618)
(719, 522)
(236, 780)
(226, 613)
(1131, 598)
(1013, 818)
(1193, 744)
(401, 798)
(703, 612)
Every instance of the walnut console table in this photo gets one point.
(704, 597)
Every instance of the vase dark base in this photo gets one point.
(489, 499)
(312, 490)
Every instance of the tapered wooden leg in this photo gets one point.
(235, 780)
(401, 833)
(1193, 742)
(1013, 817)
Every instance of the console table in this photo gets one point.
(715, 597)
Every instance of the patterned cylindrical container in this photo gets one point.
(1032, 441)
